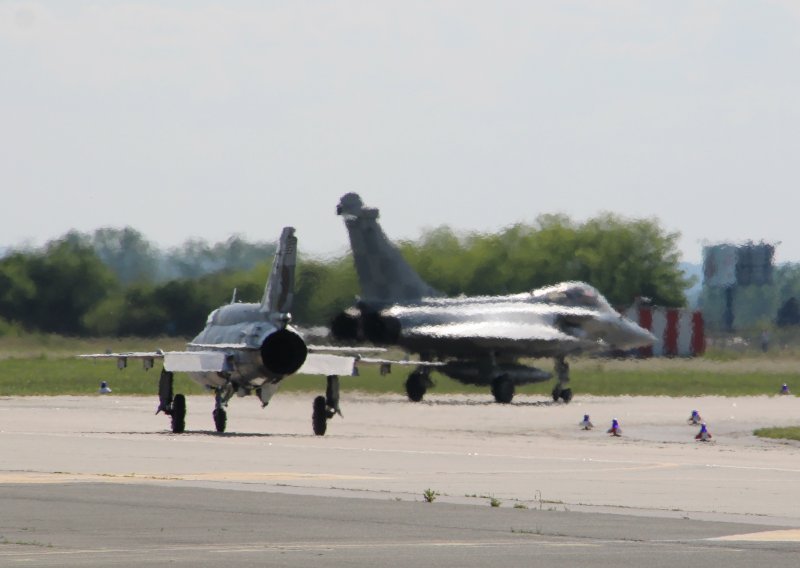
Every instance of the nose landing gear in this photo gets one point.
(418, 382)
(503, 389)
(174, 407)
(561, 390)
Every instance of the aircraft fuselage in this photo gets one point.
(257, 350)
(542, 323)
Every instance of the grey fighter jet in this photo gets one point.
(475, 340)
(249, 349)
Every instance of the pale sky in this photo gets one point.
(205, 119)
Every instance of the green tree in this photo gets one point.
(439, 257)
(133, 258)
(323, 289)
(196, 257)
(17, 289)
(622, 258)
(67, 288)
(52, 289)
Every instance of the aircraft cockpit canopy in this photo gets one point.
(212, 317)
(573, 294)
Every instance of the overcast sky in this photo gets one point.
(205, 119)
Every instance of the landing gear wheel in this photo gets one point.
(220, 419)
(503, 389)
(562, 374)
(319, 419)
(415, 386)
(178, 414)
(165, 391)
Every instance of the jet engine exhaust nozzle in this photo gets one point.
(283, 352)
(354, 325)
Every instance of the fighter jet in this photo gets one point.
(249, 349)
(474, 340)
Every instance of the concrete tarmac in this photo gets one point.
(99, 480)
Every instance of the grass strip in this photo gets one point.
(45, 375)
(787, 433)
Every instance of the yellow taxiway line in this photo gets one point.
(241, 476)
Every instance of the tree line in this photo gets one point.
(115, 282)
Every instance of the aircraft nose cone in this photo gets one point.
(646, 336)
(637, 336)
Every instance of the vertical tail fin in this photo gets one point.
(279, 291)
(383, 274)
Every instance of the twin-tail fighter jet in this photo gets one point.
(474, 340)
(249, 349)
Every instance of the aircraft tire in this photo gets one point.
(220, 419)
(319, 418)
(415, 387)
(178, 416)
(556, 393)
(566, 395)
(503, 389)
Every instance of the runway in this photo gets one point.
(85, 479)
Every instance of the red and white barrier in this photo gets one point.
(679, 332)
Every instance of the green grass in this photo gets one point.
(48, 345)
(54, 376)
(671, 383)
(46, 365)
(430, 495)
(788, 433)
(46, 375)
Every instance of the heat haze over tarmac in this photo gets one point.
(531, 452)
(88, 481)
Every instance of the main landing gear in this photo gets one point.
(220, 419)
(174, 407)
(503, 389)
(561, 390)
(418, 382)
(326, 407)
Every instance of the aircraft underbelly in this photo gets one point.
(196, 361)
(468, 348)
(216, 368)
(209, 380)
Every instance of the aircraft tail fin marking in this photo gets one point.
(383, 274)
(279, 291)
